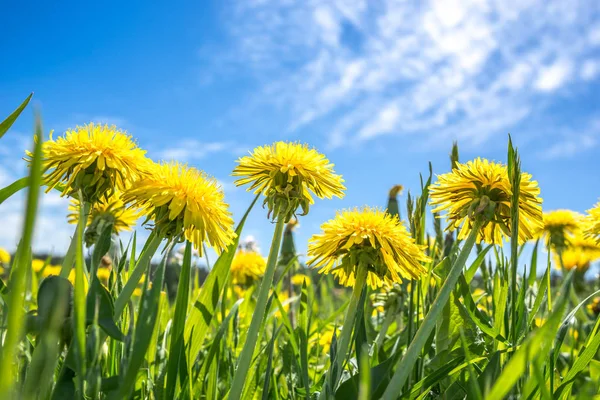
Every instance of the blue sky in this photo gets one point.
(380, 87)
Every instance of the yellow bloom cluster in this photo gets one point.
(366, 238)
(247, 268)
(184, 202)
(96, 159)
(4, 257)
(592, 223)
(287, 173)
(483, 187)
(110, 209)
(579, 253)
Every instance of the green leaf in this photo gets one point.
(537, 344)
(10, 120)
(13, 188)
(20, 268)
(177, 350)
(205, 305)
(268, 371)
(584, 358)
(99, 296)
(144, 330)
(470, 273)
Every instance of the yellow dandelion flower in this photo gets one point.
(4, 256)
(2, 271)
(326, 337)
(137, 292)
(366, 238)
(298, 279)
(247, 268)
(51, 270)
(103, 274)
(94, 158)
(111, 209)
(559, 225)
(481, 186)
(184, 201)
(287, 174)
(592, 223)
(579, 253)
(37, 265)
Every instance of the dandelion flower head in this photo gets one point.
(366, 238)
(287, 174)
(482, 187)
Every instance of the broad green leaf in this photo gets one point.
(10, 120)
(470, 273)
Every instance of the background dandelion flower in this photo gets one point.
(559, 225)
(366, 238)
(96, 159)
(579, 253)
(247, 267)
(184, 201)
(4, 257)
(483, 187)
(592, 223)
(287, 174)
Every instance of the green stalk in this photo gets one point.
(245, 359)
(346, 335)
(548, 274)
(70, 256)
(135, 276)
(389, 318)
(406, 363)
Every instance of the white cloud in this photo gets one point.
(553, 76)
(590, 69)
(446, 66)
(572, 143)
(192, 149)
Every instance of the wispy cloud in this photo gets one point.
(572, 142)
(192, 150)
(467, 69)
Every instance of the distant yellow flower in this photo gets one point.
(93, 158)
(298, 279)
(483, 187)
(103, 274)
(37, 265)
(287, 173)
(111, 209)
(247, 267)
(184, 202)
(559, 225)
(137, 292)
(326, 337)
(579, 253)
(4, 256)
(366, 238)
(592, 223)
(51, 270)
(396, 190)
(2, 270)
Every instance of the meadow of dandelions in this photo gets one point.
(471, 290)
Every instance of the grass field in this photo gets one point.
(381, 307)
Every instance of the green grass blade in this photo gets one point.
(268, 371)
(144, 330)
(79, 320)
(176, 351)
(20, 269)
(204, 307)
(13, 188)
(10, 120)
(470, 272)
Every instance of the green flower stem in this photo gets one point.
(70, 256)
(245, 359)
(406, 363)
(135, 275)
(389, 318)
(344, 342)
